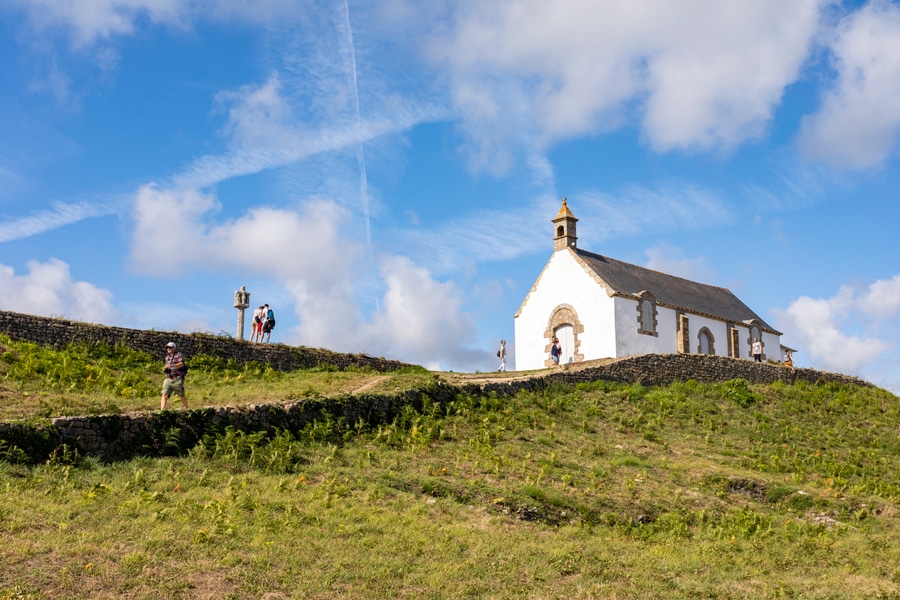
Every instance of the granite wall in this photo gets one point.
(161, 433)
(662, 369)
(114, 437)
(60, 332)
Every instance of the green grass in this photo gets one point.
(594, 491)
(86, 379)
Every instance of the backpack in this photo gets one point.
(498, 354)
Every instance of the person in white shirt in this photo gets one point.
(757, 350)
(259, 315)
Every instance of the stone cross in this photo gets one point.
(241, 302)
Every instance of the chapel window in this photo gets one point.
(705, 342)
(646, 313)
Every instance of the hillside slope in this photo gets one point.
(593, 490)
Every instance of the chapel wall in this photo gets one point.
(718, 330)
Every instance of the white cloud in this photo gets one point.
(58, 215)
(670, 259)
(638, 209)
(883, 298)
(264, 132)
(50, 79)
(703, 74)
(665, 206)
(859, 121)
(257, 115)
(718, 73)
(89, 21)
(419, 319)
(48, 289)
(175, 230)
(167, 229)
(851, 332)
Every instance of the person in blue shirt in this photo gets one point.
(269, 323)
(555, 351)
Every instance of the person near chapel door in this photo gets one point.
(555, 352)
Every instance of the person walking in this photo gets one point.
(501, 353)
(175, 370)
(757, 350)
(269, 323)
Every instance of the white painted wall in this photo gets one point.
(718, 329)
(564, 281)
(630, 342)
(772, 347)
(610, 324)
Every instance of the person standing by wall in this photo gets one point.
(175, 370)
(269, 323)
(756, 349)
(259, 315)
(501, 353)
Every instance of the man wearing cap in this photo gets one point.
(175, 371)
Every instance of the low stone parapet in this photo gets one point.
(58, 333)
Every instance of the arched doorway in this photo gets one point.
(565, 325)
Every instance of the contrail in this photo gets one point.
(360, 154)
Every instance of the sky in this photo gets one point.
(383, 174)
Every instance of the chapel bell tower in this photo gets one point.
(564, 228)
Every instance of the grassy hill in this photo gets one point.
(591, 491)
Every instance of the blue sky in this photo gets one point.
(384, 173)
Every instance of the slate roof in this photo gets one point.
(698, 298)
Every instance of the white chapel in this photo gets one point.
(600, 307)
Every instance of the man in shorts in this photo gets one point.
(175, 371)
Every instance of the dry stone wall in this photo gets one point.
(122, 436)
(159, 433)
(60, 332)
(114, 437)
(663, 369)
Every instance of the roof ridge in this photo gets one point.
(609, 258)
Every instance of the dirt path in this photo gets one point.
(507, 376)
(491, 377)
(369, 384)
